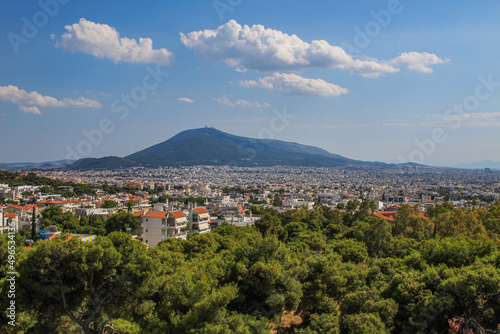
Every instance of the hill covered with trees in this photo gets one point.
(319, 271)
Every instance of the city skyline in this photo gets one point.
(390, 81)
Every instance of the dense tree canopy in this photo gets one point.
(108, 204)
(335, 271)
(93, 224)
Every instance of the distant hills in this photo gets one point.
(209, 146)
(46, 164)
(103, 163)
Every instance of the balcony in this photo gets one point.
(177, 225)
(181, 235)
(202, 227)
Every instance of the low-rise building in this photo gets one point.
(200, 220)
(8, 221)
(156, 226)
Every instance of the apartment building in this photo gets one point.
(156, 226)
(200, 220)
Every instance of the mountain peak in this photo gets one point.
(199, 131)
(210, 146)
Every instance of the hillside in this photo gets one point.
(103, 163)
(209, 146)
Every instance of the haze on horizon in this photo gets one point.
(388, 81)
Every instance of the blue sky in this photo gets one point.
(390, 80)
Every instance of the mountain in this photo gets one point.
(209, 146)
(103, 163)
(58, 163)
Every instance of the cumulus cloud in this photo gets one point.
(241, 103)
(293, 84)
(418, 61)
(103, 41)
(185, 100)
(260, 49)
(29, 102)
(33, 110)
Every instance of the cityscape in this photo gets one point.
(237, 166)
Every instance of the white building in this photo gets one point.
(7, 221)
(200, 220)
(156, 226)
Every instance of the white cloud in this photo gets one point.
(241, 103)
(484, 115)
(478, 120)
(103, 41)
(293, 84)
(418, 62)
(33, 110)
(261, 49)
(470, 116)
(185, 100)
(28, 102)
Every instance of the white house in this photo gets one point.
(8, 221)
(200, 220)
(156, 226)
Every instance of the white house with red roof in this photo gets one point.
(156, 226)
(24, 214)
(8, 221)
(65, 205)
(200, 220)
(177, 224)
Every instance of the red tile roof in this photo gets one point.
(178, 214)
(387, 215)
(200, 210)
(423, 215)
(21, 207)
(156, 214)
(394, 207)
(59, 202)
(138, 213)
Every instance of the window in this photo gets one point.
(163, 232)
(146, 219)
(163, 222)
(146, 231)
